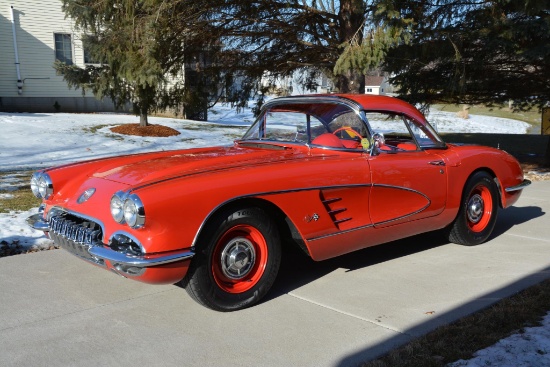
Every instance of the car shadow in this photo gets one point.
(514, 216)
(297, 269)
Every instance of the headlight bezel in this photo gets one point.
(127, 209)
(134, 211)
(41, 185)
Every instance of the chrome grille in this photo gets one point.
(75, 234)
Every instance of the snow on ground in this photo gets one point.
(448, 122)
(530, 348)
(38, 140)
(43, 140)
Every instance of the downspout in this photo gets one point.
(19, 81)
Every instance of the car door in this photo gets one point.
(406, 186)
(409, 180)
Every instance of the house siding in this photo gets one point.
(36, 22)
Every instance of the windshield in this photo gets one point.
(328, 124)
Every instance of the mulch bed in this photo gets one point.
(150, 130)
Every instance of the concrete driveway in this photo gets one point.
(56, 310)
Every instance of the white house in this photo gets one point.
(377, 85)
(33, 34)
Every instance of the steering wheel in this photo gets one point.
(349, 130)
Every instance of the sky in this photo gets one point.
(39, 140)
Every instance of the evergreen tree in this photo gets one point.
(470, 51)
(278, 37)
(120, 38)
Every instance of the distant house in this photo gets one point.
(377, 85)
(33, 34)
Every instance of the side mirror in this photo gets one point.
(378, 140)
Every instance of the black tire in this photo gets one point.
(237, 260)
(478, 211)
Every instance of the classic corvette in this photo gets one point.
(330, 173)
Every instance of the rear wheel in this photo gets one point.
(478, 211)
(237, 260)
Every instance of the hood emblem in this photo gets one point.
(86, 195)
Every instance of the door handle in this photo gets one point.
(437, 163)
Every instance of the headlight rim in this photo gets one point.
(137, 220)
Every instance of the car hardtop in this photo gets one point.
(359, 102)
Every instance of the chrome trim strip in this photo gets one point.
(137, 261)
(340, 232)
(319, 188)
(269, 193)
(521, 186)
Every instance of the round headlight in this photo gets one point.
(117, 208)
(134, 213)
(41, 185)
(34, 184)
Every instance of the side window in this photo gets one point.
(284, 126)
(393, 130)
(425, 135)
(63, 48)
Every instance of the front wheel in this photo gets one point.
(237, 260)
(478, 211)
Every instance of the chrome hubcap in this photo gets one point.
(475, 208)
(238, 258)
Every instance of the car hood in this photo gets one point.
(148, 168)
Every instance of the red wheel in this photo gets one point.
(479, 208)
(237, 260)
(478, 211)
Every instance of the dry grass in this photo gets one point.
(464, 337)
(16, 193)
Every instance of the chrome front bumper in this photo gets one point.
(521, 186)
(98, 252)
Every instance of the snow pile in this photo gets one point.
(449, 122)
(529, 348)
(16, 235)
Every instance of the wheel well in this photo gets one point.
(287, 230)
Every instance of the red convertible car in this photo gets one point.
(331, 173)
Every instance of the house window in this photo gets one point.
(369, 90)
(63, 48)
(88, 59)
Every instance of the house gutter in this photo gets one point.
(19, 81)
